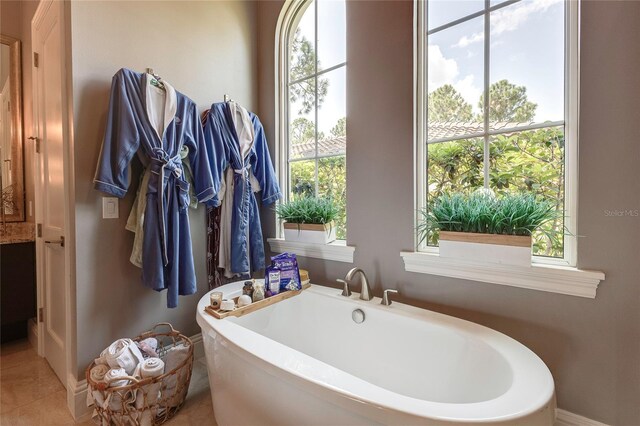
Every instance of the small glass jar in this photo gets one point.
(258, 292)
(248, 288)
(215, 299)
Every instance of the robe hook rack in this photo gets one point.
(227, 98)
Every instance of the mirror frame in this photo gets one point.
(17, 169)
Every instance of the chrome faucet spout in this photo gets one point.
(365, 289)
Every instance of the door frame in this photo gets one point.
(69, 193)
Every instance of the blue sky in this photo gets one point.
(527, 48)
(331, 49)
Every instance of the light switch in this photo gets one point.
(109, 207)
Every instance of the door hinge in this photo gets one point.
(36, 140)
(36, 59)
(39, 230)
(41, 315)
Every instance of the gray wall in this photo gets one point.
(591, 346)
(204, 49)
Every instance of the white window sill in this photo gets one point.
(338, 251)
(551, 278)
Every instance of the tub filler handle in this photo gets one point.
(386, 300)
(345, 292)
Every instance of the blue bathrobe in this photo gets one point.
(155, 124)
(250, 161)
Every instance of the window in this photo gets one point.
(311, 67)
(497, 106)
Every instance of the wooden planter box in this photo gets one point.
(504, 249)
(310, 233)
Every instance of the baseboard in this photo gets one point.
(198, 346)
(32, 333)
(77, 399)
(77, 389)
(565, 418)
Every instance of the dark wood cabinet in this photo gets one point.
(18, 289)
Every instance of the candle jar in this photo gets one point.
(215, 299)
(248, 288)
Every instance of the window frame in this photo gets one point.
(292, 13)
(571, 105)
(288, 20)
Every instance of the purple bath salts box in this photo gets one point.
(287, 263)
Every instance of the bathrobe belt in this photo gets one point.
(243, 171)
(165, 166)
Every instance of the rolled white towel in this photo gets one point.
(123, 353)
(150, 367)
(102, 359)
(173, 358)
(97, 374)
(116, 373)
(117, 399)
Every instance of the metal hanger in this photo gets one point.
(157, 80)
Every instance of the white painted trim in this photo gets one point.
(565, 418)
(550, 278)
(68, 173)
(77, 389)
(338, 251)
(77, 399)
(572, 109)
(281, 63)
(32, 333)
(198, 346)
(419, 109)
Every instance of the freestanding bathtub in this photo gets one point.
(305, 361)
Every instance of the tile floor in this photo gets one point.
(32, 395)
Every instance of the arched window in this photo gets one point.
(311, 102)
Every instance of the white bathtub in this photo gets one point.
(304, 361)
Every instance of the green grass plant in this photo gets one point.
(308, 210)
(482, 212)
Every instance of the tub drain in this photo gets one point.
(358, 316)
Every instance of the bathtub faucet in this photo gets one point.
(365, 290)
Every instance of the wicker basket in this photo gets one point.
(150, 401)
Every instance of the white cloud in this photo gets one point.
(466, 41)
(444, 70)
(509, 19)
(441, 70)
(469, 91)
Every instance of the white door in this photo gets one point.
(51, 129)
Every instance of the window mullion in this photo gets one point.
(487, 68)
(315, 65)
(318, 73)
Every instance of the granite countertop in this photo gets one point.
(17, 232)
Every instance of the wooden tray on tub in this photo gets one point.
(238, 312)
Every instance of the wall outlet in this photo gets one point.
(109, 207)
